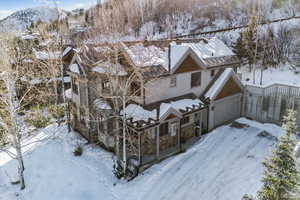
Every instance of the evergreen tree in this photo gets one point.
(251, 43)
(239, 49)
(281, 178)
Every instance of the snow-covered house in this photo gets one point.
(181, 90)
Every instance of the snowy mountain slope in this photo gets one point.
(19, 20)
(225, 165)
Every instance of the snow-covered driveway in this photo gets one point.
(225, 165)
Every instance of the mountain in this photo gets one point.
(18, 21)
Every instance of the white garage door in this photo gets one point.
(227, 109)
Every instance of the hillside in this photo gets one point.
(20, 20)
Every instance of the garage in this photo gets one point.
(227, 109)
(225, 99)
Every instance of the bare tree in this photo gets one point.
(10, 60)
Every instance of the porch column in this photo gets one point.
(157, 143)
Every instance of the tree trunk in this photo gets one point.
(19, 157)
(124, 137)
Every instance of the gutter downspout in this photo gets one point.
(169, 57)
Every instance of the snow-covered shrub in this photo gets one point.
(78, 150)
(37, 118)
(118, 169)
(57, 111)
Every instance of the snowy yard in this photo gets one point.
(282, 75)
(225, 165)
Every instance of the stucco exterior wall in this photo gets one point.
(160, 89)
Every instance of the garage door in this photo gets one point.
(226, 109)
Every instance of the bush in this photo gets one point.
(3, 136)
(118, 169)
(78, 150)
(36, 118)
(57, 111)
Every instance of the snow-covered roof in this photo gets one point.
(66, 51)
(110, 68)
(147, 56)
(177, 106)
(139, 113)
(220, 82)
(29, 37)
(68, 93)
(74, 68)
(203, 51)
(102, 104)
(42, 55)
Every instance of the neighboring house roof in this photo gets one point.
(74, 68)
(219, 83)
(145, 56)
(67, 51)
(102, 104)
(68, 93)
(42, 55)
(109, 68)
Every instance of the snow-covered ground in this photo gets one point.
(224, 165)
(283, 75)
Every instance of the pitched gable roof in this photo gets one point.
(207, 53)
(219, 84)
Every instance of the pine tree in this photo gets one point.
(281, 178)
(250, 42)
(239, 49)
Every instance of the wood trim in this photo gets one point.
(230, 88)
(188, 65)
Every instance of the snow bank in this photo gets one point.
(283, 74)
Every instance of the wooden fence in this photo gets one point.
(269, 104)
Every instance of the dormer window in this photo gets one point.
(173, 81)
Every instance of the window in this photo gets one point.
(164, 129)
(105, 85)
(174, 129)
(195, 79)
(212, 73)
(74, 86)
(185, 120)
(173, 81)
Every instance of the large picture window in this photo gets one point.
(195, 79)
